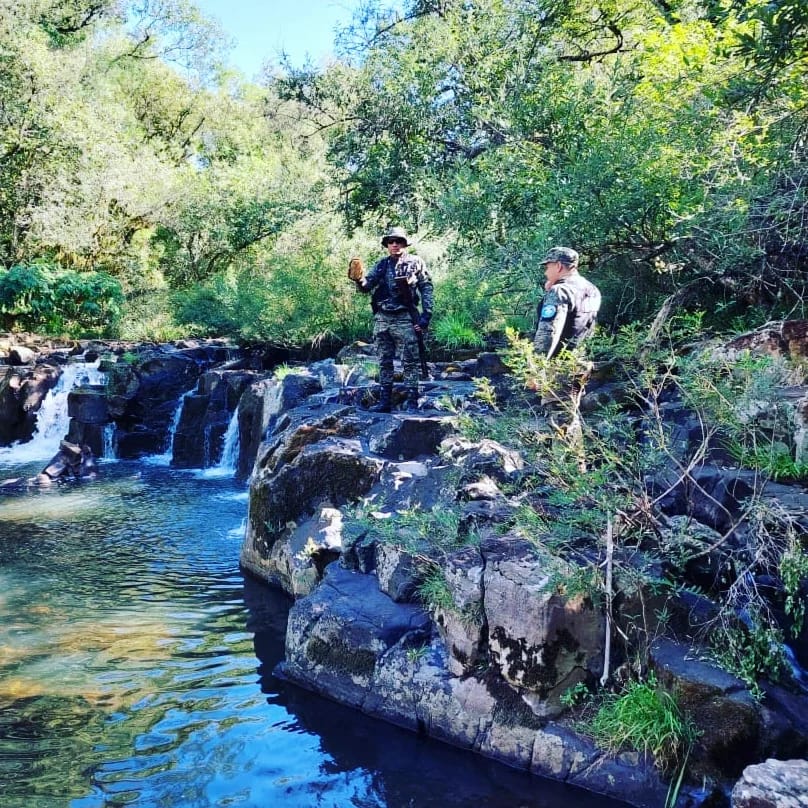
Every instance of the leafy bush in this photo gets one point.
(208, 309)
(288, 297)
(463, 307)
(45, 297)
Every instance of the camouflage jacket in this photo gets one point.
(567, 314)
(397, 285)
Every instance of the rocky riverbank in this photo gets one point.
(425, 596)
(453, 583)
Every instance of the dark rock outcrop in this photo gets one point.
(144, 388)
(205, 416)
(428, 610)
(260, 407)
(72, 462)
(88, 408)
(22, 391)
(143, 395)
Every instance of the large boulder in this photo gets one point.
(261, 406)
(309, 466)
(410, 437)
(773, 784)
(542, 641)
(337, 636)
(20, 355)
(462, 626)
(352, 643)
(787, 338)
(72, 462)
(88, 409)
(726, 716)
(485, 457)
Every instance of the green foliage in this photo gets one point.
(59, 301)
(421, 531)
(666, 143)
(646, 718)
(750, 652)
(793, 572)
(434, 591)
(741, 396)
(288, 294)
(284, 370)
(415, 655)
(775, 460)
(456, 331)
(485, 392)
(574, 696)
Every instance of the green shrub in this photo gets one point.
(434, 592)
(646, 718)
(284, 370)
(750, 652)
(456, 331)
(43, 296)
(208, 309)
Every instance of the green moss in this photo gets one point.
(341, 658)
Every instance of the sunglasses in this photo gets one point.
(399, 241)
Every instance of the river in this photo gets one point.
(136, 667)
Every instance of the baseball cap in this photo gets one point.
(566, 255)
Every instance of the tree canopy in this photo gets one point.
(664, 140)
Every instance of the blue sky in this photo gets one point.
(262, 28)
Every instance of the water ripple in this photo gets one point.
(135, 668)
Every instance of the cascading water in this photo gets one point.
(165, 458)
(109, 442)
(226, 467)
(231, 446)
(53, 419)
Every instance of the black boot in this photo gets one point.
(385, 401)
(412, 400)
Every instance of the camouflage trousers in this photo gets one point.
(392, 332)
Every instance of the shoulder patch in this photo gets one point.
(548, 311)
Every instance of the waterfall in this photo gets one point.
(52, 420)
(231, 446)
(165, 458)
(226, 467)
(109, 442)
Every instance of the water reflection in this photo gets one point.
(136, 669)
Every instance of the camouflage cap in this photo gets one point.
(395, 233)
(566, 255)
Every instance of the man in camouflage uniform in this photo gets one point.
(568, 312)
(567, 316)
(395, 284)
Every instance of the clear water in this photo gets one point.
(136, 668)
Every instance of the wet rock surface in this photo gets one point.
(353, 513)
(773, 784)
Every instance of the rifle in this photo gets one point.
(405, 293)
